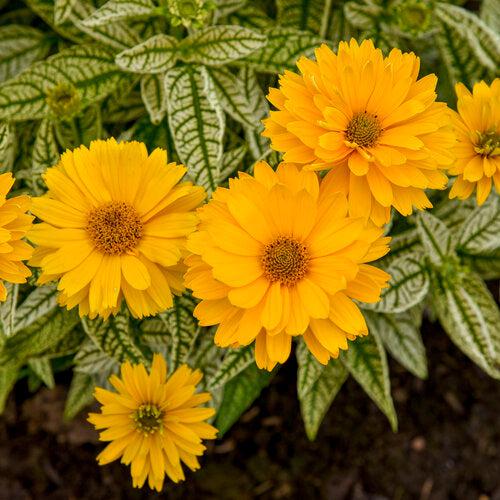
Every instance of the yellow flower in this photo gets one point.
(477, 125)
(14, 223)
(153, 423)
(115, 222)
(369, 119)
(276, 256)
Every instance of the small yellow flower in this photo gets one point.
(369, 119)
(14, 223)
(115, 222)
(276, 256)
(477, 125)
(153, 423)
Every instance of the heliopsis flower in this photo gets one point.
(477, 125)
(369, 119)
(115, 222)
(153, 423)
(276, 256)
(14, 223)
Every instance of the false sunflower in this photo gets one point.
(276, 256)
(14, 223)
(369, 119)
(477, 125)
(153, 423)
(115, 222)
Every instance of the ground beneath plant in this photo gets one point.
(448, 444)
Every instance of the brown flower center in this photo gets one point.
(114, 228)
(285, 260)
(148, 419)
(364, 129)
(488, 144)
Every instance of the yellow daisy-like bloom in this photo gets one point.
(477, 125)
(153, 423)
(369, 119)
(276, 256)
(14, 223)
(115, 222)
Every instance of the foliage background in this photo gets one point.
(194, 82)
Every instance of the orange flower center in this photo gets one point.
(363, 130)
(114, 228)
(488, 144)
(148, 419)
(285, 260)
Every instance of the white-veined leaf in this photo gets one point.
(117, 10)
(218, 45)
(196, 122)
(80, 395)
(19, 47)
(153, 96)
(7, 147)
(114, 337)
(311, 15)
(315, 403)
(366, 361)
(468, 46)
(470, 317)
(487, 265)
(62, 10)
(490, 14)
(363, 14)
(225, 7)
(309, 369)
(234, 362)
(400, 333)
(435, 237)
(8, 311)
(80, 130)
(408, 285)
(232, 162)
(42, 368)
(45, 155)
(250, 16)
(239, 394)
(90, 69)
(122, 109)
(233, 100)
(156, 55)
(91, 360)
(480, 233)
(41, 301)
(284, 46)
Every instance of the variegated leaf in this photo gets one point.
(80, 395)
(435, 237)
(7, 147)
(235, 361)
(117, 10)
(45, 155)
(153, 96)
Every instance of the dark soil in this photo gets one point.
(448, 445)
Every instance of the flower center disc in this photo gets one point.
(488, 145)
(114, 228)
(285, 260)
(364, 130)
(148, 419)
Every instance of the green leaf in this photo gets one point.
(91, 360)
(225, 7)
(90, 69)
(490, 14)
(402, 245)
(469, 48)
(45, 155)
(19, 47)
(8, 377)
(232, 162)
(42, 368)
(218, 45)
(250, 16)
(153, 96)
(487, 265)
(408, 285)
(233, 100)
(363, 15)
(156, 55)
(117, 10)
(114, 337)
(182, 328)
(235, 361)
(239, 394)
(309, 15)
(480, 233)
(315, 403)
(196, 122)
(7, 147)
(435, 237)
(366, 362)
(8, 311)
(284, 47)
(62, 10)
(80, 395)
(471, 318)
(123, 109)
(400, 333)
(309, 369)
(40, 302)
(80, 130)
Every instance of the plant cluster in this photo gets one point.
(192, 234)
